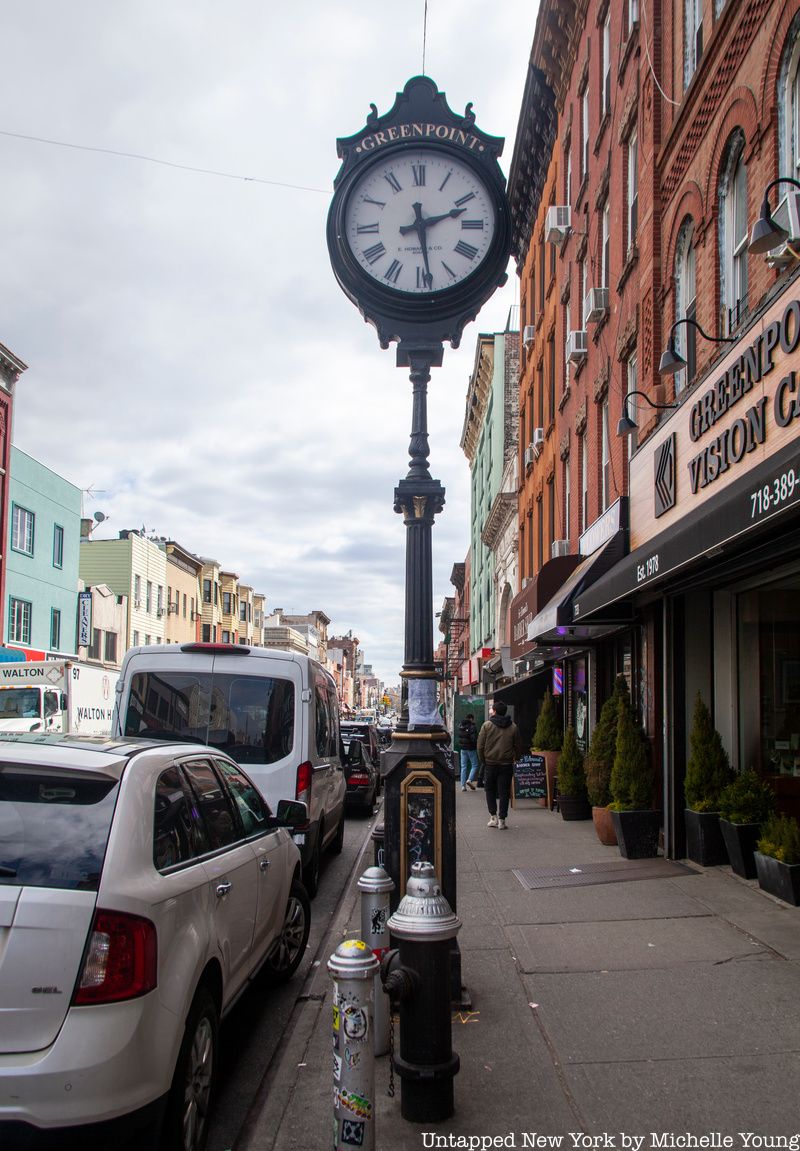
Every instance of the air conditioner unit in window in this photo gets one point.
(559, 548)
(526, 581)
(530, 456)
(528, 335)
(558, 223)
(538, 437)
(787, 216)
(595, 305)
(576, 346)
(137, 603)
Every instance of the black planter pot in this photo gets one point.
(780, 879)
(572, 807)
(704, 842)
(740, 843)
(637, 833)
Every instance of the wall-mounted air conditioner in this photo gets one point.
(530, 456)
(528, 335)
(787, 216)
(137, 603)
(538, 438)
(577, 346)
(558, 223)
(595, 305)
(559, 548)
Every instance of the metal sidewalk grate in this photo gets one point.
(585, 874)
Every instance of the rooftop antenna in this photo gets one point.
(91, 492)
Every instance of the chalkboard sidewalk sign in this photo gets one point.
(530, 777)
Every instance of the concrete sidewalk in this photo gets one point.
(654, 1009)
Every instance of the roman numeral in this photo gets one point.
(444, 181)
(363, 228)
(392, 273)
(424, 279)
(476, 225)
(419, 175)
(393, 182)
(466, 250)
(374, 253)
(377, 203)
(449, 271)
(465, 199)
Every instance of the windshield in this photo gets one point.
(249, 717)
(53, 827)
(20, 702)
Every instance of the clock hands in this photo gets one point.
(420, 226)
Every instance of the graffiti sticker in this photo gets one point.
(337, 1066)
(355, 1023)
(352, 1101)
(352, 1133)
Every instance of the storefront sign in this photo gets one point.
(604, 527)
(732, 425)
(84, 619)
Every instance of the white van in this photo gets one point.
(274, 712)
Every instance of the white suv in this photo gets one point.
(143, 885)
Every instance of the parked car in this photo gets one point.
(361, 775)
(367, 733)
(143, 886)
(274, 712)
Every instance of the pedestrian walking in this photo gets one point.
(499, 745)
(468, 742)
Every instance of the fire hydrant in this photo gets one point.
(418, 977)
(353, 968)
(375, 886)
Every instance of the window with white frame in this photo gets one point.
(567, 498)
(692, 38)
(568, 174)
(148, 602)
(789, 106)
(584, 482)
(585, 132)
(22, 527)
(584, 289)
(631, 385)
(733, 234)
(135, 639)
(605, 233)
(19, 621)
(605, 64)
(605, 457)
(685, 303)
(58, 546)
(632, 188)
(137, 591)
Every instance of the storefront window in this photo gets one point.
(768, 624)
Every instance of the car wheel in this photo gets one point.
(186, 1119)
(291, 943)
(338, 840)
(311, 872)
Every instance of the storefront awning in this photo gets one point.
(556, 624)
(739, 515)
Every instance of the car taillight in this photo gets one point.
(358, 777)
(303, 788)
(121, 961)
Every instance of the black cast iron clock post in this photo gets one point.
(419, 235)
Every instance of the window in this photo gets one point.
(19, 621)
(243, 611)
(160, 600)
(148, 602)
(137, 591)
(58, 546)
(220, 820)
(206, 591)
(584, 482)
(568, 174)
(226, 636)
(541, 272)
(632, 188)
(567, 497)
(540, 390)
(692, 38)
(110, 647)
(252, 810)
(146, 639)
(323, 720)
(551, 366)
(539, 534)
(633, 13)
(206, 632)
(585, 132)
(55, 629)
(22, 523)
(226, 602)
(605, 457)
(733, 234)
(632, 381)
(136, 639)
(605, 233)
(551, 511)
(584, 274)
(178, 834)
(605, 65)
(184, 605)
(685, 303)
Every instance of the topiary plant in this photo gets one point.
(780, 838)
(746, 799)
(708, 770)
(632, 773)
(571, 778)
(548, 735)
(603, 747)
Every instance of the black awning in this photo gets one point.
(555, 623)
(723, 524)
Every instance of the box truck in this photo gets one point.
(57, 695)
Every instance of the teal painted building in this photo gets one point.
(41, 559)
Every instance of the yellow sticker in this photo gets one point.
(355, 945)
(336, 1018)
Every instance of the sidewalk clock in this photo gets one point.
(419, 230)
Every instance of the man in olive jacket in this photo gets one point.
(499, 745)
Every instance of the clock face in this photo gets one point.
(419, 222)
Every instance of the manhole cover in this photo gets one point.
(585, 874)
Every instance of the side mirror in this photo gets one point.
(292, 813)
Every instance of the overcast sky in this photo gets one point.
(191, 359)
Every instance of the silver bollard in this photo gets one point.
(375, 885)
(353, 968)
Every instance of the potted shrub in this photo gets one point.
(744, 805)
(599, 761)
(572, 799)
(635, 821)
(778, 858)
(707, 773)
(547, 740)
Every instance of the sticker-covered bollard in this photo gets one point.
(375, 886)
(353, 968)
